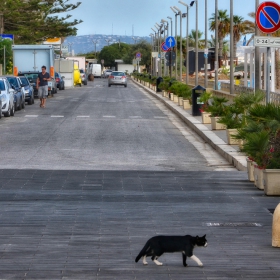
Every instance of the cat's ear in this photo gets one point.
(204, 235)
(197, 237)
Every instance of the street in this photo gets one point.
(85, 182)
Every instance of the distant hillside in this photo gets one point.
(86, 43)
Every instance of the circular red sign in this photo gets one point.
(261, 10)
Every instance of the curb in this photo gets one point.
(237, 159)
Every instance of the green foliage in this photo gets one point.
(8, 55)
(180, 89)
(217, 108)
(34, 21)
(261, 135)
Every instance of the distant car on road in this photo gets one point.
(29, 90)
(83, 77)
(107, 73)
(117, 78)
(59, 81)
(7, 98)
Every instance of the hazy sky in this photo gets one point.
(127, 17)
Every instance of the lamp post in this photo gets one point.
(196, 40)
(181, 52)
(176, 14)
(187, 41)
(108, 41)
(70, 48)
(94, 42)
(171, 27)
(231, 49)
(165, 28)
(158, 27)
(206, 47)
(155, 60)
(216, 45)
(257, 56)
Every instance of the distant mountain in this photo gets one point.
(86, 43)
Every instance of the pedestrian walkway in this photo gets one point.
(216, 138)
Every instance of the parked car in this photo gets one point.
(19, 97)
(117, 78)
(28, 89)
(59, 81)
(83, 77)
(107, 73)
(7, 98)
(32, 77)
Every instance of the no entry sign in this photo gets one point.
(268, 17)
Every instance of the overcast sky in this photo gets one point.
(131, 17)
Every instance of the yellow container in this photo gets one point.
(77, 76)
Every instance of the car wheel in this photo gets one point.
(63, 86)
(109, 85)
(125, 85)
(12, 111)
(23, 104)
(19, 106)
(60, 87)
(85, 83)
(30, 101)
(8, 113)
(0, 112)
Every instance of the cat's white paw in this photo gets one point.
(200, 264)
(157, 262)
(145, 263)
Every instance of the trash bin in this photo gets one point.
(159, 80)
(196, 104)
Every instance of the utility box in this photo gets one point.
(65, 68)
(196, 103)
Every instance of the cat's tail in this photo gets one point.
(142, 252)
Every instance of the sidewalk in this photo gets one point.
(216, 138)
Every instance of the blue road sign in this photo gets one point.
(268, 17)
(164, 47)
(138, 55)
(7, 36)
(170, 42)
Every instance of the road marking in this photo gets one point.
(135, 117)
(54, 116)
(109, 116)
(83, 116)
(31, 116)
(157, 117)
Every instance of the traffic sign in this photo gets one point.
(171, 55)
(138, 55)
(164, 47)
(265, 41)
(268, 17)
(170, 42)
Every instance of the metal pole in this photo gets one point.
(231, 49)
(206, 46)
(268, 74)
(196, 45)
(216, 45)
(257, 57)
(176, 46)
(4, 60)
(181, 52)
(187, 48)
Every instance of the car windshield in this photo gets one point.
(2, 85)
(13, 81)
(118, 74)
(24, 81)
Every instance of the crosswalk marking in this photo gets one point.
(31, 116)
(54, 116)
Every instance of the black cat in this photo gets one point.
(158, 245)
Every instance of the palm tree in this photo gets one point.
(239, 28)
(192, 39)
(223, 28)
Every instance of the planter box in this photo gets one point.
(186, 104)
(232, 140)
(216, 125)
(250, 170)
(175, 98)
(276, 227)
(205, 117)
(171, 96)
(271, 181)
(258, 176)
(180, 101)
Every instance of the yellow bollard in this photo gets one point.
(276, 227)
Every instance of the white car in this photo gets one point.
(7, 97)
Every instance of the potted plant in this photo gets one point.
(217, 109)
(204, 98)
(262, 143)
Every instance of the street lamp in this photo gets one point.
(181, 52)
(231, 49)
(158, 27)
(216, 45)
(171, 33)
(196, 41)
(165, 27)
(187, 41)
(176, 14)
(70, 48)
(108, 40)
(94, 42)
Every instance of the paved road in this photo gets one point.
(85, 212)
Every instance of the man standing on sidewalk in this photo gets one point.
(42, 86)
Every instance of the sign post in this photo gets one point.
(268, 21)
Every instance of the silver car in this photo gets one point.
(117, 78)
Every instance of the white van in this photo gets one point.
(95, 69)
